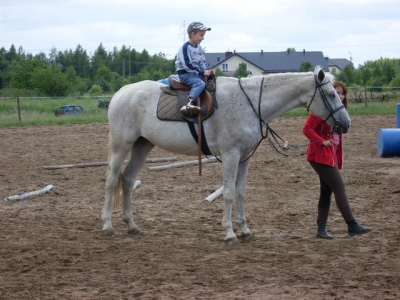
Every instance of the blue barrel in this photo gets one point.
(389, 142)
(398, 115)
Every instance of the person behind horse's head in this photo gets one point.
(341, 90)
(325, 155)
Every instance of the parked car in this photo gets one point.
(69, 109)
(103, 104)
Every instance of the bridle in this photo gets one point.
(336, 123)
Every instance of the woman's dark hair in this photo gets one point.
(343, 86)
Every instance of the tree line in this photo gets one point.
(75, 72)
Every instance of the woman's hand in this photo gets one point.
(327, 142)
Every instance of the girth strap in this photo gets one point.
(204, 145)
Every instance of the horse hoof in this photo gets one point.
(134, 231)
(229, 242)
(108, 232)
(246, 237)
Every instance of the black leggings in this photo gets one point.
(331, 181)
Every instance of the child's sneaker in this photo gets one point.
(190, 109)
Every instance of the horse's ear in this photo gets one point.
(319, 74)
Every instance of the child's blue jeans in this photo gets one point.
(195, 82)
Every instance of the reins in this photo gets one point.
(274, 135)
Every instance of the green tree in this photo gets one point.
(347, 75)
(12, 55)
(142, 75)
(76, 83)
(81, 62)
(342, 76)
(364, 74)
(241, 71)
(3, 68)
(100, 58)
(306, 66)
(395, 82)
(218, 72)
(388, 70)
(96, 90)
(103, 78)
(376, 83)
(50, 81)
(21, 73)
(117, 81)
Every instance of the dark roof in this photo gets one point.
(340, 63)
(272, 62)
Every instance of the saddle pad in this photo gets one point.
(167, 109)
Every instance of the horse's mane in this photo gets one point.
(328, 76)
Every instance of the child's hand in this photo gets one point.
(327, 142)
(208, 72)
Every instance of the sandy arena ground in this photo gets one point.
(52, 246)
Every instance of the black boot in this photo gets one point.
(355, 229)
(323, 213)
(322, 233)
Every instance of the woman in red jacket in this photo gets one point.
(325, 154)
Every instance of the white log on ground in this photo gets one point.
(212, 197)
(183, 164)
(104, 163)
(30, 194)
(137, 184)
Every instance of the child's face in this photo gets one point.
(197, 37)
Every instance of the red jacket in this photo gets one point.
(317, 131)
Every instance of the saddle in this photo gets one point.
(175, 96)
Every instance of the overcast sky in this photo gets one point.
(361, 29)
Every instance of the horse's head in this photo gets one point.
(327, 104)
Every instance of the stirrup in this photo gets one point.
(190, 110)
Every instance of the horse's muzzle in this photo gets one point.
(339, 128)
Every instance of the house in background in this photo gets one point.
(336, 65)
(259, 63)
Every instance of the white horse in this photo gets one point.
(232, 132)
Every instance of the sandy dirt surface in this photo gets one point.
(52, 246)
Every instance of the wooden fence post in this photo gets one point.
(365, 92)
(19, 109)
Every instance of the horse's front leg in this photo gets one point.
(241, 180)
(230, 166)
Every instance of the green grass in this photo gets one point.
(372, 108)
(40, 111)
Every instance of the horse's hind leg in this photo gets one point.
(117, 156)
(240, 197)
(139, 153)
